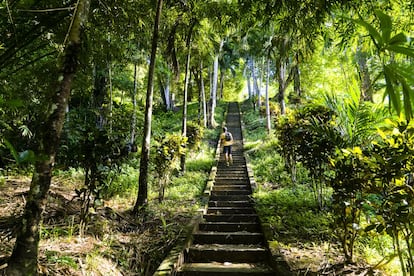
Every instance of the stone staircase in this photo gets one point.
(229, 239)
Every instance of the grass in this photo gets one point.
(291, 215)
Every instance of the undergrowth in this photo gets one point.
(116, 242)
(290, 213)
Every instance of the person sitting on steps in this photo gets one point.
(226, 139)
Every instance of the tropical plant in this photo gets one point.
(307, 136)
(351, 174)
(393, 173)
(195, 134)
(389, 44)
(167, 160)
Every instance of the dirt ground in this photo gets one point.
(114, 243)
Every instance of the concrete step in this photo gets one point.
(230, 210)
(220, 175)
(229, 226)
(225, 177)
(230, 187)
(231, 168)
(230, 181)
(231, 218)
(230, 192)
(240, 203)
(202, 237)
(225, 269)
(239, 167)
(227, 253)
(229, 197)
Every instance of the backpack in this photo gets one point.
(228, 136)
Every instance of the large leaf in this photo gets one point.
(402, 50)
(398, 76)
(407, 93)
(393, 95)
(11, 149)
(385, 25)
(398, 39)
(26, 156)
(376, 36)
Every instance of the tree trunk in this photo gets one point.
(254, 76)
(202, 111)
(142, 197)
(247, 73)
(99, 92)
(165, 92)
(268, 119)
(296, 79)
(213, 95)
(196, 73)
(23, 260)
(282, 86)
(255, 90)
(203, 95)
(249, 86)
(110, 96)
(365, 79)
(185, 100)
(259, 92)
(134, 107)
(221, 86)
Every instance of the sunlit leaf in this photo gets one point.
(357, 150)
(26, 131)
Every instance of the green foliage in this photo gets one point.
(268, 164)
(167, 159)
(99, 153)
(376, 181)
(307, 136)
(203, 163)
(26, 156)
(195, 133)
(389, 42)
(56, 258)
(190, 185)
(393, 158)
(274, 109)
(350, 176)
(291, 214)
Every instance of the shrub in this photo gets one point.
(195, 134)
(167, 159)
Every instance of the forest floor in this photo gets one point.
(116, 243)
